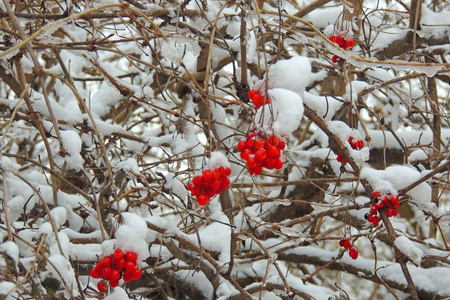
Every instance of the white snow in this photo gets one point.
(132, 235)
(61, 268)
(176, 186)
(128, 165)
(409, 249)
(283, 115)
(59, 215)
(216, 160)
(118, 294)
(432, 23)
(290, 74)
(11, 249)
(7, 288)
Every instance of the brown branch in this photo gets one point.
(193, 247)
(311, 7)
(357, 270)
(444, 166)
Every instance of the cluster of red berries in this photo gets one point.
(355, 144)
(209, 184)
(342, 42)
(258, 99)
(112, 268)
(261, 151)
(387, 202)
(347, 244)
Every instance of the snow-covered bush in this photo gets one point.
(224, 149)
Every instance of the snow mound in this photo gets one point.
(283, 115)
(290, 74)
(409, 249)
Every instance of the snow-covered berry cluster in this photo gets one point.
(355, 144)
(261, 151)
(209, 183)
(385, 201)
(114, 267)
(258, 99)
(343, 42)
(347, 244)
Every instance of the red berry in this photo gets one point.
(281, 145)
(255, 171)
(246, 154)
(259, 144)
(348, 44)
(96, 273)
(390, 212)
(207, 175)
(120, 264)
(375, 194)
(274, 140)
(129, 266)
(114, 283)
(393, 199)
(374, 208)
(107, 261)
(273, 151)
(241, 146)
(375, 220)
(341, 243)
(131, 256)
(360, 144)
(102, 286)
(353, 253)
(340, 40)
(203, 199)
(106, 272)
(339, 158)
(216, 174)
(251, 143)
(215, 185)
(127, 277)
(136, 274)
(197, 191)
(332, 38)
(347, 244)
(115, 275)
(225, 183)
(118, 255)
(198, 180)
(251, 162)
(209, 193)
(221, 171)
(252, 94)
(227, 171)
(335, 58)
(260, 154)
(270, 163)
(278, 164)
(256, 100)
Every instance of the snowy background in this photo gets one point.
(110, 108)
